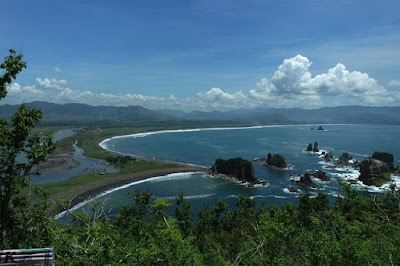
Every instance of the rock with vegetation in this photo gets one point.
(385, 157)
(277, 160)
(374, 172)
(239, 168)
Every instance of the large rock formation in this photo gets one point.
(385, 157)
(374, 172)
(238, 168)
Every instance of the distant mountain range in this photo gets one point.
(327, 115)
(82, 114)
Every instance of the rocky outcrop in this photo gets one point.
(346, 160)
(386, 158)
(319, 174)
(328, 157)
(309, 148)
(315, 149)
(374, 172)
(306, 181)
(276, 160)
(238, 168)
(293, 190)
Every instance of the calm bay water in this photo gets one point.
(202, 147)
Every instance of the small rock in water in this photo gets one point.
(309, 148)
(293, 190)
(315, 147)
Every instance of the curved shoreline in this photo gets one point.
(103, 187)
(103, 143)
(90, 194)
(83, 193)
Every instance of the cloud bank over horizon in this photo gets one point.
(291, 85)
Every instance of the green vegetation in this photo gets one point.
(239, 168)
(380, 179)
(277, 160)
(96, 180)
(21, 150)
(354, 230)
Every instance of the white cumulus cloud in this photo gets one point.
(291, 85)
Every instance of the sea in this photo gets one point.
(201, 147)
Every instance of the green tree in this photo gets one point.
(20, 150)
(277, 160)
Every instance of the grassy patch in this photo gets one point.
(128, 169)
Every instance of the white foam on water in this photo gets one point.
(286, 190)
(201, 196)
(325, 163)
(257, 197)
(295, 178)
(280, 197)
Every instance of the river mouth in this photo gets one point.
(66, 164)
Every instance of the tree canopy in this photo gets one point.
(21, 151)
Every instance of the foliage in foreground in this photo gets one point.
(20, 151)
(355, 230)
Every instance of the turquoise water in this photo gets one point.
(202, 147)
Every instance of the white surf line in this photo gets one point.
(103, 143)
(156, 178)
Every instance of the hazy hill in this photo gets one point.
(82, 114)
(342, 114)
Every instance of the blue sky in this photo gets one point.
(205, 55)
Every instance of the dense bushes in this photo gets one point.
(353, 230)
